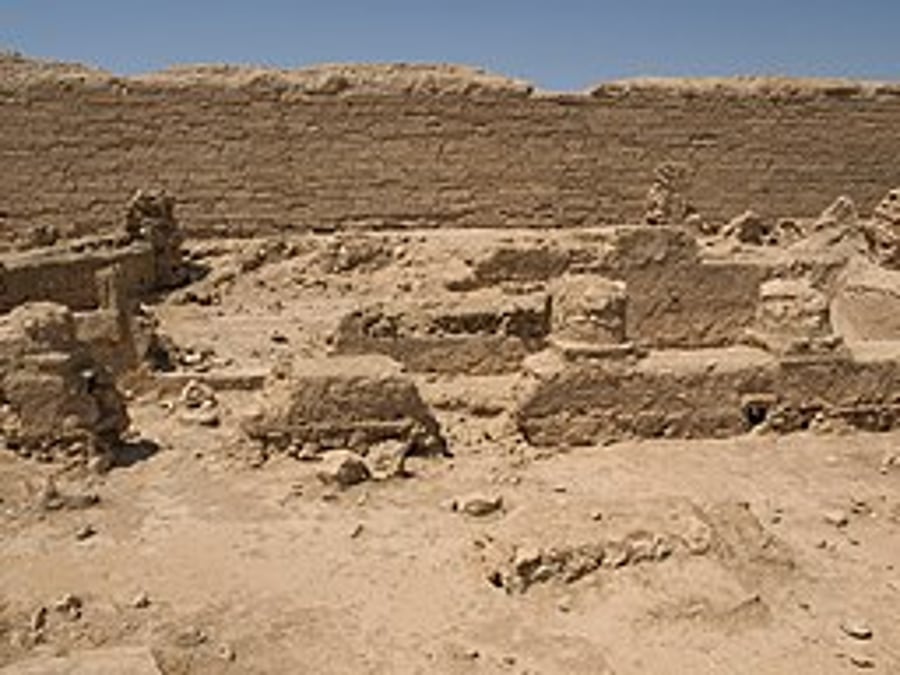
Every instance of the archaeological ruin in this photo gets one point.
(646, 257)
(346, 368)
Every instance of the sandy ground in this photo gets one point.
(782, 556)
(287, 576)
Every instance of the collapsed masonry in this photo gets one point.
(69, 321)
(56, 400)
(651, 331)
(102, 279)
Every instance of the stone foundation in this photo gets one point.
(342, 402)
(713, 393)
(480, 333)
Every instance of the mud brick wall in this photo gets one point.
(263, 154)
(71, 278)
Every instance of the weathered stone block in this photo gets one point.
(481, 332)
(590, 309)
(58, 398)
(792, 314)
(343, 402)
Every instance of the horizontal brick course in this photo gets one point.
(262, 155)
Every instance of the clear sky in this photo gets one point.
(558, 44)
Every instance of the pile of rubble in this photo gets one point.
(58, 402)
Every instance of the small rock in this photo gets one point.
(85, 532)
(70, 605)
(309, 452)
(196, 394)
(191, 637)
(201, 417)
(836, 517)
(356, 531)
(478, 506)
(617, 554)
(864, 662)
(860, 507)
(226, 653)
(141, 601)
(39, 619)
(388, 460)
(858, 629)
(343, 468)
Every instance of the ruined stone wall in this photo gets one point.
(252, 152)
(70, 278)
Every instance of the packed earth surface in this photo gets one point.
(666, 445)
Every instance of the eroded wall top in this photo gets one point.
(255, 151)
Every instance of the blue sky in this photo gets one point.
(558, 44)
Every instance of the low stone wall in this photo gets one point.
(482, 332)
(70, 277)
(708, 394)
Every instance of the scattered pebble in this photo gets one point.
(85, 532)
(860, 507)
(356, 531)
(478, 505)
(39, 619)
(858, 629)
(191, 637)
(70, 605)
(343, 468)
(141, 601)
(863, 662)
(836, 517)
(309, 452)
(387, 460)
(226, 653)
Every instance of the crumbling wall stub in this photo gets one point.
(676, 299)
(57, 400)
(480, 333)
(586, 404)
(793, 316)
(589, 309)
(342, 402)
(70, 278)
(865, 305)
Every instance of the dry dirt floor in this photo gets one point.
(761, 554)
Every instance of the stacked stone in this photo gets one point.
(57, 401)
